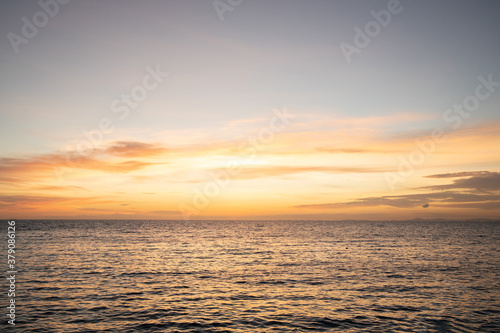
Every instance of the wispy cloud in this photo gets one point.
(492, 205)
(277, 170)
(481, 181)
(314, 152)
(460, 174)
(468, 197)
(135, 149)
(14, 169)
(357, 150)
(411, 200)
(23, 201)
(165, 212)
(60, 188)
(319, 121)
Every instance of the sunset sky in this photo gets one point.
(181, 109)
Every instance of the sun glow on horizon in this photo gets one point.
(257, 115)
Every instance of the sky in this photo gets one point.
(239, 109)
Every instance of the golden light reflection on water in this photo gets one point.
(251, 276)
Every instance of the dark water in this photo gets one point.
(249, 276)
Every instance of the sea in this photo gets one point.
(255, 276)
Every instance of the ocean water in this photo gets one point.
(257, 276)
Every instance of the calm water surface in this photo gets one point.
(249, 276)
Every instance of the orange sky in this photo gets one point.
(300, 170)
(168, 110)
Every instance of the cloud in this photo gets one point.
(94, 209)
(15, 170)
(48, 201)
(473, 194)
(482, 181)
(492, 205)
(134, 149)
(274, 171)
(59, 188)
(410, 200)
(165, 212)
(356, 150)
(460, 174)
(318, 121)
(8, 180)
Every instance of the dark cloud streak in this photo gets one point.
(481, 190)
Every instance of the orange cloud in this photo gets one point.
(135, 149)
(25, 201)
(30, 168)
(354, 159)
(276, 171)
(59, 188)
(357, 151)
